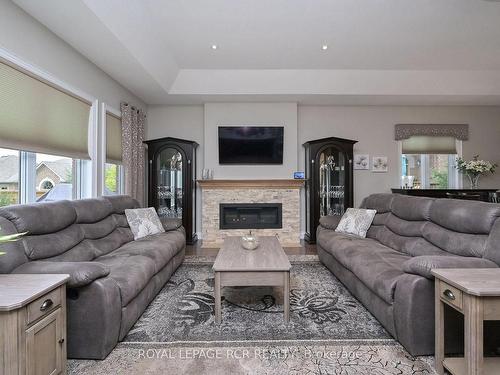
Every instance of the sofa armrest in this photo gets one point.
(170, 223)
(330, 222)
(423, 265)
(81, 273)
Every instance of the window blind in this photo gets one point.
(37, 117)
(113, 139)
(429, 145)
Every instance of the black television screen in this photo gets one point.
(250, 144)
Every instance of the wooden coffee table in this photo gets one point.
(267, 265)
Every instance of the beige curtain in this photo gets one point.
(133, 120)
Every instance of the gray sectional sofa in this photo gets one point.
(113, 277)
(389, 271)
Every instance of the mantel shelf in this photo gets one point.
(251, 184)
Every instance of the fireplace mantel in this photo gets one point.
(251, 184)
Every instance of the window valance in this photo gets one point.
(457, 131)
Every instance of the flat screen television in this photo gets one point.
(251, 144)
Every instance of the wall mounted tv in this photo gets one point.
(251, 144)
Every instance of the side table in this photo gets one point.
(476, 294)
(33, 324)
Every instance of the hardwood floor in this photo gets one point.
(304, 249)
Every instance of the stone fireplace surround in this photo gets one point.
(284, 191)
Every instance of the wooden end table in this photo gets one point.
(267, 265)
(33, 324)
(476, 294)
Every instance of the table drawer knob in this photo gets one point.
(47, 304)
(449, 294)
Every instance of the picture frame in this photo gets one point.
(361, 162)
(380, 164)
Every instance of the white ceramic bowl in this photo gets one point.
(249, 243)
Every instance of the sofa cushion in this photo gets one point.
(411, 208)
(51, 244)
(81, 273)
(379, 202)
(40, 218)
(376, 265)
(424, 265)
(330, 221)
(462, 244)
(122, 202)
(92, 210)
(130, 272)
(465, 216)
(160, 248)
(170, 223)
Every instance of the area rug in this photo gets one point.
(329, 332)
(321, 309)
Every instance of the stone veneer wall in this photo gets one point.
(288, 235)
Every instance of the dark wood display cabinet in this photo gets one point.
(172, 176)
(329, 181)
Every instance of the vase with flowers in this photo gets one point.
(474, 169)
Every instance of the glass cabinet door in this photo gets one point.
(169, 183)
(332, 182)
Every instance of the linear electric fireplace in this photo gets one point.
(250, 215)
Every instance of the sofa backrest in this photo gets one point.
(428, 226)
(78, 230)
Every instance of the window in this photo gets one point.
(113, 179)
(113, 170)
(9, 177)
(54, 178)
(429, 171)
(429, 162)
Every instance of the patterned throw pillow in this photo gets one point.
(356, 221)
(143, 222)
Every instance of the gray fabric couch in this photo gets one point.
(113, 277)
(389, 271)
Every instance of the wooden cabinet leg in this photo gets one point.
(439, 333)
(217, 295)
(473, 320)
(286, 296)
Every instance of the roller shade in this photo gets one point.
(113, 139)
(429, 145)
(37, 117)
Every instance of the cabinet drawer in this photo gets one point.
(450, 295)
(43, 305)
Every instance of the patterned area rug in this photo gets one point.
(321, 309)
(330, 332)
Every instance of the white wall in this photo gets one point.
(25, 37)
(372, 126)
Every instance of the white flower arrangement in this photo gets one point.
(475, 166)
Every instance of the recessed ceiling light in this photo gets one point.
(324, 47)
(214, 46)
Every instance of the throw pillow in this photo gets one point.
(143, 222)
(356, 221)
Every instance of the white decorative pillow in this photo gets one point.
(143, 222)
(356, 221)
